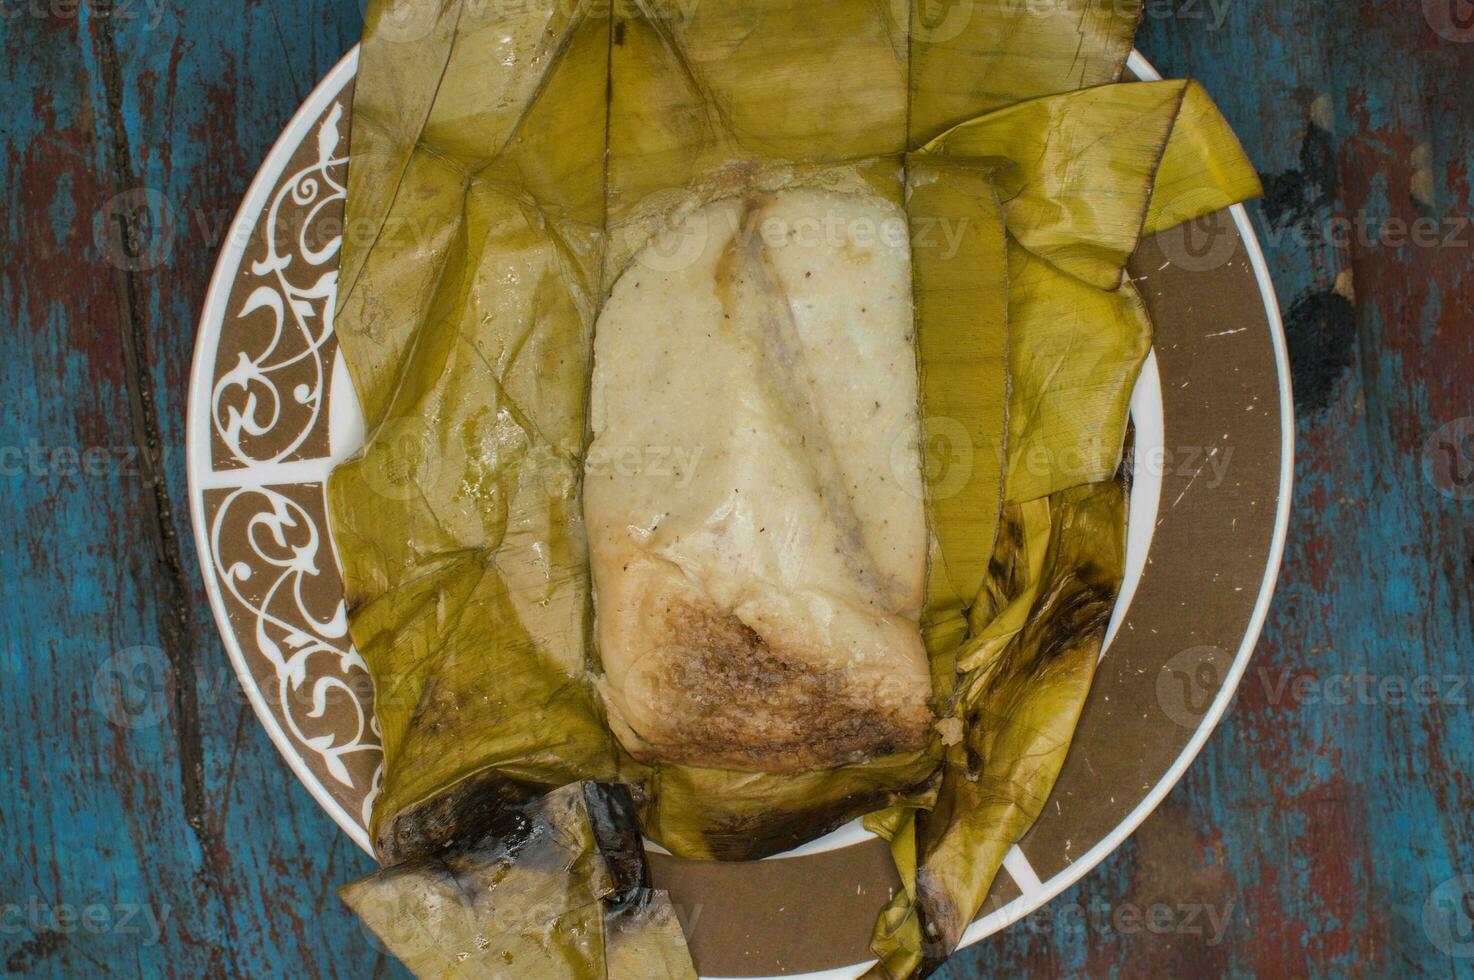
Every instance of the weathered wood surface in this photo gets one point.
(1321, 832)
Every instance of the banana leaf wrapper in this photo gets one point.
(465, 319)
(1081, 176)
(557, 888)
(776, 94)
(480, 668)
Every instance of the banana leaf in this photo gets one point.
(1119, 162)
(971, 57)
(511, 162)
(706, 99)
(1077, 336)
(467, 332)
(961, 301)
(1025, 678)
(557, 888)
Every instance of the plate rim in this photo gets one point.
(1034, 894)
(197, 432)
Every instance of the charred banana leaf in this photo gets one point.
(1081, 176)
(557, 888)
(1025, 679)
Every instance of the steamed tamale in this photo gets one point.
(793, 453)
(759, 598)
(806, 657)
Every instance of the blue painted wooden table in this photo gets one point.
(1324, 830)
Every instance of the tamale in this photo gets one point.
(759, 596)
(590, 320)
(761, 105)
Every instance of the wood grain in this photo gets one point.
(151, 828)
(158, 801)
